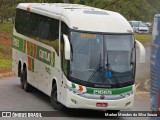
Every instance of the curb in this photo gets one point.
(6, 73)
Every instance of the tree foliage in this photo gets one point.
(131, 9)
(143, 10)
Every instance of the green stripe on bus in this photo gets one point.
(19, 44)
(52, 59)
(104, 91)
(24, 46)
(42, 54)
(108, 91)
(16, 37)
(73, 85)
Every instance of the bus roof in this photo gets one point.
(81, 17)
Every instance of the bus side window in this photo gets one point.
(35, 30)
(38, 27)
(53, 35)
(45, 30)
(22, 22)
(64, 62)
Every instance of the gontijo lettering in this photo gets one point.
(44, 55)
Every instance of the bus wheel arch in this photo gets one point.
(54, 82)
(19, 68)
(54, 102)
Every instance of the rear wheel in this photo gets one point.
(21, 80)
(19, 69)
(55, 104)
(25, 85)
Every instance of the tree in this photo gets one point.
(132, 9)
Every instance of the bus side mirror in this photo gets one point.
(67, 48)
(142, 53)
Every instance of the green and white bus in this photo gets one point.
(80, 56)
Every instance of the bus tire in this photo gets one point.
(55, 104)
(26, 85)
(21, 80)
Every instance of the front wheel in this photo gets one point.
(55, 104)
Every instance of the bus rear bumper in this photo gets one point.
(76, 101)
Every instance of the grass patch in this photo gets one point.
(5, 45)
(5, 63)
(7, 26)
(5, 57)
(145, 39)
(5, 50)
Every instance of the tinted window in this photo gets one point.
(38, 27)
(22, 22)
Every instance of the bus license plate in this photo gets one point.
(102, 104)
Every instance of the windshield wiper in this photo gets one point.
(96, 70)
